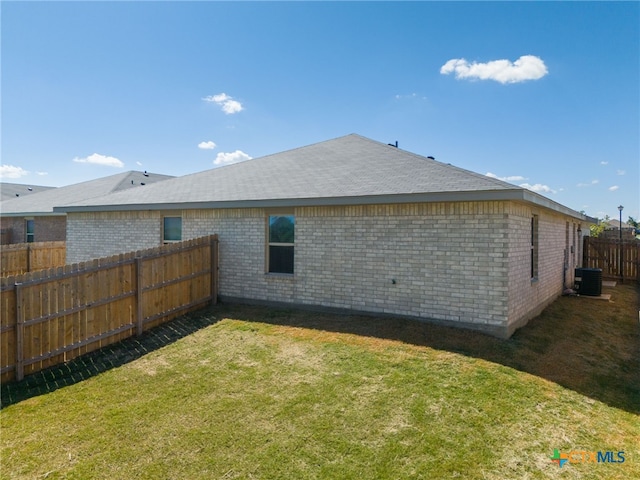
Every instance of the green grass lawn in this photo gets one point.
(263, 393)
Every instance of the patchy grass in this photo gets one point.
(266, 393)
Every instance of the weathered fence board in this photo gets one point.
(52, 316)
(609, 255)
(28, 257)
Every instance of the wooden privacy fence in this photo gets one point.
(52, 316)
(606, 253)
(27, 257)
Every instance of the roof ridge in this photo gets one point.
(281, 152)
(125, 177)
(493, 180)
(485, 177)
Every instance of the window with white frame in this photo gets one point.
(171, 229)
(280, 243)
(30, 230)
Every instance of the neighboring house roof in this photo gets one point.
(42, 203)
(9, 191)
(615, 225)
(348, 170)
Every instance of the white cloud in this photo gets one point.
(512, 178)
(604, 163)
(228, 104)
(232, 157)
(98, 159)
(139, 164)
(207, 145)
(42, 174)
(614, 188)
(411, 96)
(593, 182)
(9, 171)
(621, 172)
(538, 187)
(527, 67)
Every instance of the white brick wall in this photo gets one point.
(465, 262)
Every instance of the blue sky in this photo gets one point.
(542, 94)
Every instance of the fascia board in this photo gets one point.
(32, 214)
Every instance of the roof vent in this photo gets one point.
(392, 145)
(431, 158)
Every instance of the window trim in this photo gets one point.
(268, 243)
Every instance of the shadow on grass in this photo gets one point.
(587, 345)
(106, 358)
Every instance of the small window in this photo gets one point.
(573, 245)
(281, 237)
(30, 231)
(534, 247)
(172, 229)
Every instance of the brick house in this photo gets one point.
(30, 218)
(355, 225)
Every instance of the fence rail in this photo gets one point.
(52, 316)
(21, 258)
(610, 255)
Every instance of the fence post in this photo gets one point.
(19, 333)
(214, 269)
(139, 318)
(28, 257)
(585, 251)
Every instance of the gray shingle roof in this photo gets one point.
(42, 203)
(9, 191)
(346, 170)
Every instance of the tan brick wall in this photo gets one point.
(465, 262)
(101, 234)
(448, 260)
(527, 296)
